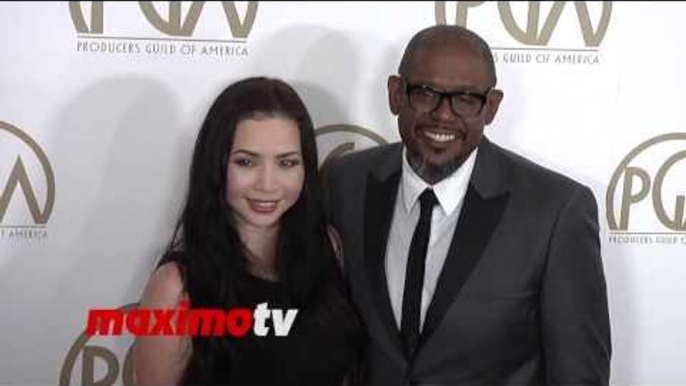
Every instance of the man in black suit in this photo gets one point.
(469, 264)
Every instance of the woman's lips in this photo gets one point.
(263, 206)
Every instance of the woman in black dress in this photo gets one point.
(253, 231)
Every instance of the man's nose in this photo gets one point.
(444, 111)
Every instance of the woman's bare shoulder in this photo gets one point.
(165, 287)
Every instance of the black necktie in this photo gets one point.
(414, 275)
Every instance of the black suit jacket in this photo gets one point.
(521, 299)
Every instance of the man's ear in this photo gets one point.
(492, 104)
(395, 94)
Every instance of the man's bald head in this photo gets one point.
(446, 35)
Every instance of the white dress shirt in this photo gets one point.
(450, 193)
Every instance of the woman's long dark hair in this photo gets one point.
(206, 243)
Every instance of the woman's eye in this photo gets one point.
(245, 162)
(289, 163)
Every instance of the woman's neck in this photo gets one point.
(260, 244)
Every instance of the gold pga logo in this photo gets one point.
(90, 354)
(173, 24)
(536, 29)
(175, 20)
(646, 186)
(20, 181)
(531, 34)
(336, 140)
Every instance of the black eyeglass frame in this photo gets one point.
(409, 87)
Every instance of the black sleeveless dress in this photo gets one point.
(314, 352)
(311, 354)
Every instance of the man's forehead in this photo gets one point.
(451, 51)
(450, 42)
(449, 70)
(447, 37)
(444, 51)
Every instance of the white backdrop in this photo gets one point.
(100, 105)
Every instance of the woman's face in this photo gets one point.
(265, 173)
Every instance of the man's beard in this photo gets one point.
(429, 172)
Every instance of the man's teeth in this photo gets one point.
(439, 137)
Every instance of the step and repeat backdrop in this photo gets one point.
(100, 103)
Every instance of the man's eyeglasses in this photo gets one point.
(425, 99)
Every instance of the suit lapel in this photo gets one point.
(483, 206)
(379, 205)
(475, 226)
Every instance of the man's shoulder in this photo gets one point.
(373, 154)
(362, 161)
(526, 173)
(346, 176)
